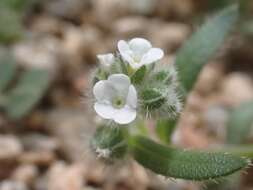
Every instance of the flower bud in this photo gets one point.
(109, 143)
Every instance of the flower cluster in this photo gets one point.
(132, 83)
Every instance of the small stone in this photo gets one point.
(41, 158)
(81, 44)
(209, 79)
(74, 44)
(182, 9)
(26, 174)
(36, 141)
(65, 8)
(143, 7)
(12, 185)
(216, 118)
(168, 36)
(129, 27)
(236, 88)
(63, 177)
(95, 173)
(47, 24)
(41, 183)
(73, 128)
(10, 147)
(39, 53)
(129, 176)
(109, 10)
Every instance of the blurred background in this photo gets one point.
(47, 51)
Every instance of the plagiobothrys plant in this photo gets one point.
(132, 85)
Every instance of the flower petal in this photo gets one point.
(139, 46)
(132, 97)
(106, 111)
(106, 59)
(125, 51)
(120, 82)
(152, 55)
(125, 115)
(103, 91)
(123, 46)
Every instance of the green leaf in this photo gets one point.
(203, 45)
(240, 123)
(184, 164)
(27, 93)
(218, 4)
(165, 129)
(16, 5)
(139, 75)
(7, 69)
(245, 8)
(196, 52)
(10, 26)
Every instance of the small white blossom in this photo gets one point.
(116, 99)
(106, 60)
(138, 52)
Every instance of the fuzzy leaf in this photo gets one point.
(191, 165)
(139, 75)
(240, 123)
(200, 48)
(7, 69)
(27, 93)
(203, 45)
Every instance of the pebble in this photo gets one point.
(142, 7)
(10, 147)
(26, 174)
(65, 8)
(215, 118)
(106, 12)
(168, 36)
(209, 79)
(73, 128)
(47, 24)
(81, 44)
(64, 177)
(39, 53)
(40, 158)
(37, 141)
(130, 27)
(182, 9)
(236, 88)
(12, 185)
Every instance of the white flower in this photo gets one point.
(116, 99)
(106, 60)
(138, 52)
